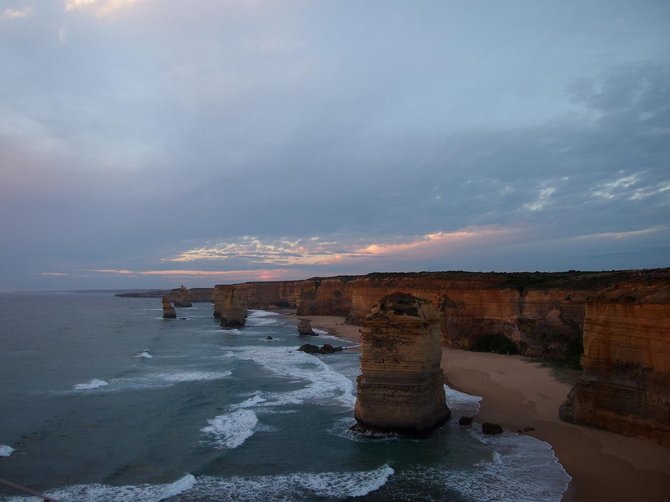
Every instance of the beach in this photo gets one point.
(519, 393)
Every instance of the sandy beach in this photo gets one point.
(518, 393)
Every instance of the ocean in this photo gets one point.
(103, 400)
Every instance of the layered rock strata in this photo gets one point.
(625, 385)
(168, 309)
(230, 306)
(401, 383)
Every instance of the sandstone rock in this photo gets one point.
(305, 328)
(230, 306)
(181, 297)
(489, 428)
(168, 309)
(401, 385)
(625, 385)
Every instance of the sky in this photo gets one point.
(152, 143)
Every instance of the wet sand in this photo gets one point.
(518, 393)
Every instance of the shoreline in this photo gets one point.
(518, 393)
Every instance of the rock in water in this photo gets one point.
(168, 309)
(181, 297)
(305, 328)
(489, 428)
(315, 349)
(230, 306)
(401, 385)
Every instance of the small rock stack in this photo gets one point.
(305, 328)
(401, 385)
(230, 306)
(168, 309)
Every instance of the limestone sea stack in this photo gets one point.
(181, 297)
(401, 383)
(230, 306)
(168, 309)
(305, 328)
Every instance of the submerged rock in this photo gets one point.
(168, 309)
(401, 385)
(305, 328)
(489, 428)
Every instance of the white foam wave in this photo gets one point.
(6, 450)
(261, 313)
(460, 403)
(261, 321)
(232, 429)
(321, 332)
(188, 376)
(520, 468)
(229, 331)
(323, 382)
(95, 383)
(107, 493)
(152, 380)
(296, 486)
(144, 355)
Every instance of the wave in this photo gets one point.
(129, 493)
(323, 382)
(460, 403)
(6, 450)
(295, 486)
(232, 429)
(144, 355)
(254, 313)
(152, 380)
(95, 383)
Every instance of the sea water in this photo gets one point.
(102, 399)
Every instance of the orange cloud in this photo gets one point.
(314, 251)
(259, 275)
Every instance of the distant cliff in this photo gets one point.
(193, 294)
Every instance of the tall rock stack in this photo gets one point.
(168, 309)
(625, 386)
(401, 385)
(181, 297)
(230, 306)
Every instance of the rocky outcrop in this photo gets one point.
(305, 328)
(315, 349)
(181, 298)
(230, 306)
(168, 309)
(401, 384)
(625, 385)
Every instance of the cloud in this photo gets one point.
(53, 274)
(100, 7)
(231, 275)
(315, 251)
(12, 14)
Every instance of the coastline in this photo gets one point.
(519, 393)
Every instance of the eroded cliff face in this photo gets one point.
(263, 295)
(230, 306)
(401, 383)
(542, 317)
(625, 385)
